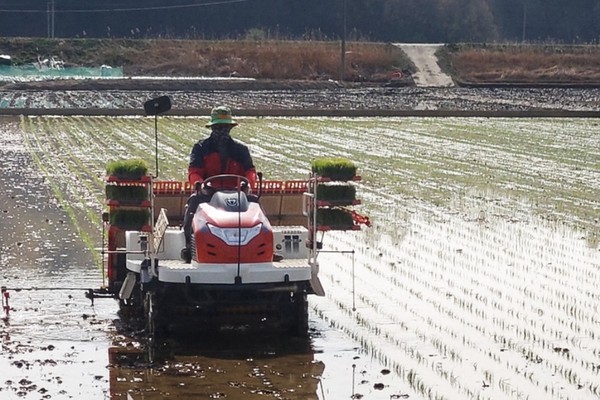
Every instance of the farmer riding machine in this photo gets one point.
(254, 256)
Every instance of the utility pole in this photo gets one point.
(343, 55)
(524, 19)
(50, 18)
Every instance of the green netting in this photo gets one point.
(30, 70)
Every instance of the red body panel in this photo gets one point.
(212, 249)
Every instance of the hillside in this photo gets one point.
(281, 60)
(306, 64)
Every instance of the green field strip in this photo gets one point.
(33, 144)
(434, 160)
(63, 135)
(83, 152)
(69, 166)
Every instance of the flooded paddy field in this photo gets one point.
(477, 280)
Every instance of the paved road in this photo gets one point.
(429, 73)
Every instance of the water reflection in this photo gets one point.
(228, 365)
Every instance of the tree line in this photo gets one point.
(448, 21)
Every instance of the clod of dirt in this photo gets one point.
(561, 349)
(378, 386)
(385, 371)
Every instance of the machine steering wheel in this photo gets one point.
(242, 184)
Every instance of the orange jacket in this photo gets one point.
(205, 161)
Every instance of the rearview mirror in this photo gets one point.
(158, 105)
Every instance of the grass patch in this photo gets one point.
(522, 63)
(444, 55)
(261, 59)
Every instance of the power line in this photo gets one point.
(152, 8)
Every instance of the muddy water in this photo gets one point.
(240, 365)
(57, 344)
(478, 279)
(54, 343)
(473, 303)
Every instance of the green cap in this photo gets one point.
(221, 115)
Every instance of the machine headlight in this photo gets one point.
(235, 236)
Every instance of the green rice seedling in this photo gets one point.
(127, 193)
(334, 218)
(328, 192)
(337, 169)
(130, 219)
(127, 169)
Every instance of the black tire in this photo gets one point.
(132, 311)
(299, 327)
(156, 326)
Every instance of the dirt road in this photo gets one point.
(428, 72)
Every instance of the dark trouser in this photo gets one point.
(190, 209)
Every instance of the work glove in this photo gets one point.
(203, 189)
